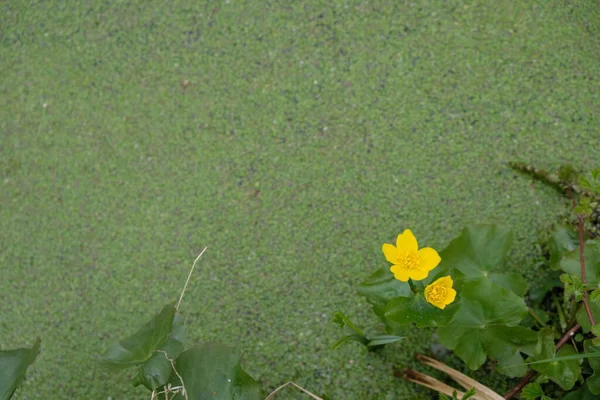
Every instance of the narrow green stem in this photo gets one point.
(536, 318)
(354, 327)
(412, 286)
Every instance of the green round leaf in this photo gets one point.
(480, 252)
(478, 249)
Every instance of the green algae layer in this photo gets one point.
(293, 139)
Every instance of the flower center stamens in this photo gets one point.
(437, 293)
(408, 260)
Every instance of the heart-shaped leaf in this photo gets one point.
(163, 333)
(13, 366)
(480, 252)
(212, 371)
(139, 347)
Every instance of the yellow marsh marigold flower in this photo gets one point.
(410, 262)
(440, 292)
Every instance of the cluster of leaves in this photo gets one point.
(14, 364)
(488, 318)
(164, 364)
(158, 352)
(484, 319)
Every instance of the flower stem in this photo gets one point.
(412, 286)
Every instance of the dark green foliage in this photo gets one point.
(13, 366)
(212, 371)
(144, 349)
(564, 372)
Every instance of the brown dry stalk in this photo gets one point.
(463, 380)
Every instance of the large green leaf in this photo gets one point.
(139, 347)
(157, 370)
(562, 240)
(13, 366)
(212, 371)
(480, 252)
(593, 381)
(563, 372)
(570, 262)
(405, 310)
(164, 332)
(486, 326)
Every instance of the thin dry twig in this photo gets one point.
(177, 388)
(430, 382)
(483, 392)
(270, 396)
(189, 276)
(185, 394)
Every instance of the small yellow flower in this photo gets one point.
(440, 292)
(410, 262)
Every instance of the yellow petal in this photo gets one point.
(390, 252)
(400, 273)
(450, 296)
(427, 292)
(407, 241)
(418, 274)
(429, 258)
(445, 281)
